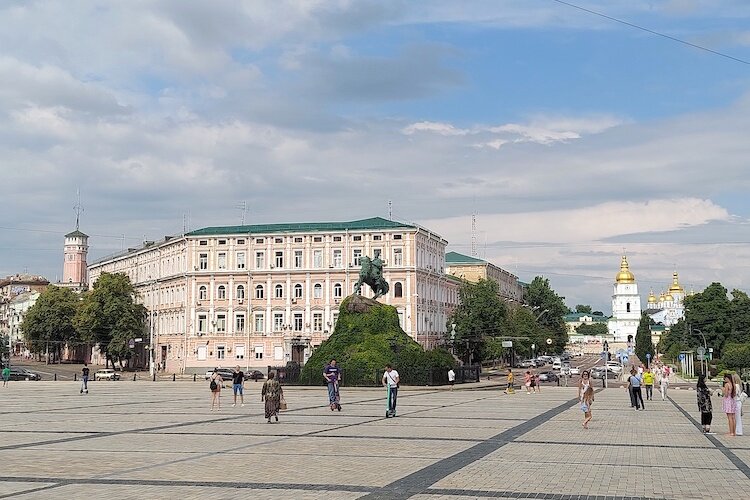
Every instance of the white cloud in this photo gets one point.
(434, 127)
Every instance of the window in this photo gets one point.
(259, 291)
(334, 318)
(279, 240)
(317, 291)
(258, 352)
(337, 261)
(260, 260)
(357, 256)
(221, 323)
(203, 261)
(278, 322)
(278, 292)
(398, 257)
(241, 260)
(627, 307)
(298, 239)
(377, 252)
(222, 242)
(317, 322)
(337, 291)
(297, 259)
(221, 292)
(398, 289)
(239, 323)
(259, 241)
(202, 323)
(337, 238)
(201, 353)
(220, 352)
(240, 292)
(278, 352)
(298, 291)
(318, 239)
(279, 259)
(259, 322)
(297, 322)
(241, 242)
(396, 236)
(239, 351)
(203, 243)
(317, 259)
(202, 293)
(377, 237)
(357, 238)
(222, 262)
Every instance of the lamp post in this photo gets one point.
(705, 351)
(453, 339)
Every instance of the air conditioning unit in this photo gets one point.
(198, 303)
(195, 268)
(271, 266)
(241, 301)
(337, 301)
(294, 301)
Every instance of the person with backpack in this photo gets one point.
(215, 386)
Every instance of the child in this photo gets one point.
(511, 377)
(587, 400)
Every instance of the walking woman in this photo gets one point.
(215, 386)
(586, 400)
(739, 398)
(728, 405)
(583, 384)
(527, 382)
(704, 404)
(272, 394)
(664, 384)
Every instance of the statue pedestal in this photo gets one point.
(359, 304)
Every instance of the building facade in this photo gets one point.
(17, 294)
(668, 308)
(473, 269)
(626, 305)
(261, 295)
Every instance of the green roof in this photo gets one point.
(457, 258)
(303, 227)
(76, 234)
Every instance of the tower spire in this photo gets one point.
(78, 208)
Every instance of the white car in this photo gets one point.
(556, 365)
(106, 374)
(614, 366)
(575, 371)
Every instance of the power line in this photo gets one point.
(653, 32)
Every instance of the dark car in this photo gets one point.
(23, 374)
(548, 377)
(227, 374)
(255, 375)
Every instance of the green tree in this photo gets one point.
(740, 316)
(643, 342)
(597, 329)
(479, 316)
(674, 341)
(736, 356)
(580, 308)
(110, 316)
(710, 312)
(48, 324)
(550, 309)
(521, 322)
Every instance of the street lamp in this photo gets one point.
(705, 350)
(453, 339)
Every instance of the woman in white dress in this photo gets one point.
(740, 397)
(664, 384)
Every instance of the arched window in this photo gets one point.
(318, 291)
(337, 291)
(202, 293)
(278, 292)
(298, 291)
(259, 292)
(398, 289)
(221, 292)
(240, 292)
(627, 307)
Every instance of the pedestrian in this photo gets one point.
(664, 383)
(527, 381)
(272, 393)
(238, 381)
(586, 400)
(85, 379)
(634, 383)
(584, 384)
(332, 374)
(214, 384)
(451, 377)
(704, 403)
(511, 379)
(6, 375)
(391, 382)
(739, 398)
(728, 405)
(648, 381)
(630, 389)
(537, 382)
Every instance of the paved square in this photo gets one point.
(159, 440)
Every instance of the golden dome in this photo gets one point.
(624, 276)
(668, 297)
(676, 288)
(651, 297)
(661, 297)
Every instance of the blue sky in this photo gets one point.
(571, 136)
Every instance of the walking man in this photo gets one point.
(238, 379)
(648, 381)
(332, 374)
(85, 378)
(451, 377)
(390, 380)
(6, 376)
(634, 384)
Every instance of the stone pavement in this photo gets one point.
(158, 440)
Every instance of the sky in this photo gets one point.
(572, 137)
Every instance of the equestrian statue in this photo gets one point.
(372, 274)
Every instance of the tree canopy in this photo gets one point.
(48, 324)
(596, 329)
(643, 343)
(550, 309)
(480, 314)
(580, 308)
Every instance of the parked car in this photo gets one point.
(556, 365)
(575, 371)
(106, 374)
(227, 374)
(255, 375)
(598, 373)
(23, 374)
(548, 377)
(614, 366)
(527, 363)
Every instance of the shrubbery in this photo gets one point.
(363, 343)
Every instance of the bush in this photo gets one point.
(736, 356)
(363, 343)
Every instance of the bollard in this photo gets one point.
(154, 377)
(174, 376)
(75, 377)
(134, 375)
(55, 377)
(194, 377)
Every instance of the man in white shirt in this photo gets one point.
(451, 377)
(390, 380)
